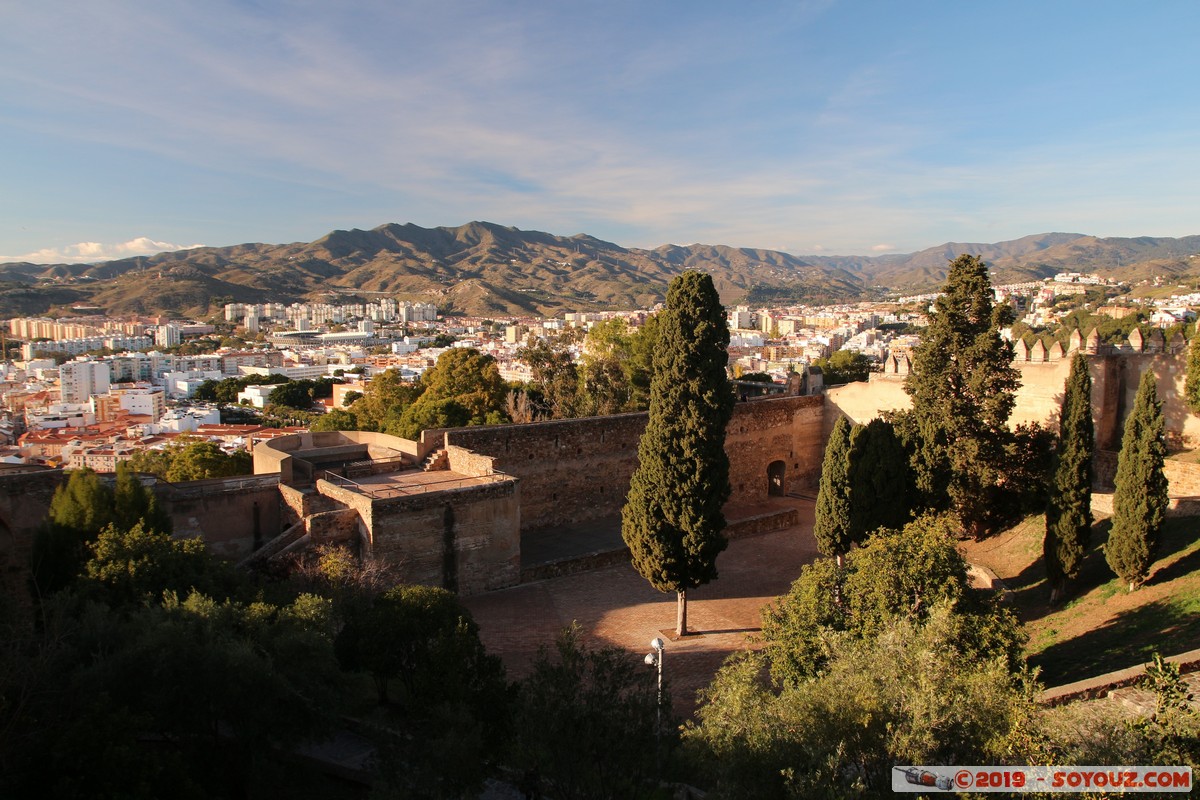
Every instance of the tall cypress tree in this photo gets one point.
(963, 388)
(134, 503)
(1140, 496)
(80, 508)
(1069, 510)
(879, 480)
(831, 524)
(672, 519)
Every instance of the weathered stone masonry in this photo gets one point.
(466, 539)
(579, 469)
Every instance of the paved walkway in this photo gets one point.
(616, 606)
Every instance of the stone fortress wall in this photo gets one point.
(1115, 376)
(571, 470)
(555, 473)
(575, 470)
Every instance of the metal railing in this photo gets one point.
(378, 492)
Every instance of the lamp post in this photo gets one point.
(655, 659)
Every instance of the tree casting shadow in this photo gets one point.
(1126, 640)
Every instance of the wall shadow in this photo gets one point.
(1031, 591)
(1178, 534)
(1127, 640)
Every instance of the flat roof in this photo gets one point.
(413, 481)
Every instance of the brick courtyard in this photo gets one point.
(615, 606)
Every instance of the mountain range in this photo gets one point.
(485, 269)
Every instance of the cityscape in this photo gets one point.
(599, 401)
(89, 390)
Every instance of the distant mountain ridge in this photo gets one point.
(485, 269)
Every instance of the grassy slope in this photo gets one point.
(1101, 627)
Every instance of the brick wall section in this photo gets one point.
(579, 469)
(1183, 479)
(223, 512)
(570, 470)
(465, 539)
(466, 462)
(295, 504)
(787, 429)
(1104, 469)
(327, 527)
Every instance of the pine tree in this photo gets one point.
(879, 480)
(831, 525)
(672, 519)
(1140, 496)
(963, 388)
(1069, 510)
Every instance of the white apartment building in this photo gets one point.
(168, 335)
(256, 395)
(184, 384)
(297, 373)
(77, 347)
(742, 319)
(60, 415)
(142, 401)
(747, 340)
(418, 312)
(187, 420)
(79, 380)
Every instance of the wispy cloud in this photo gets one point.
(88, 252)
(681, 124)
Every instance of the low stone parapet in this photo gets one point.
(1101, 685)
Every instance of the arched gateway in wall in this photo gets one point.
(776, 479)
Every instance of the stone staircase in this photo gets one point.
(1142, 702)
(275, 546)
(437, 461)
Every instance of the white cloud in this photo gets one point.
(86, 252)
(882, 248)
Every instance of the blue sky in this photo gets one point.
(828, 127)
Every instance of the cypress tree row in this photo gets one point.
(831, 524)
(1069, 510)
(672, 519)
(879, 480)
(1140, 496)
